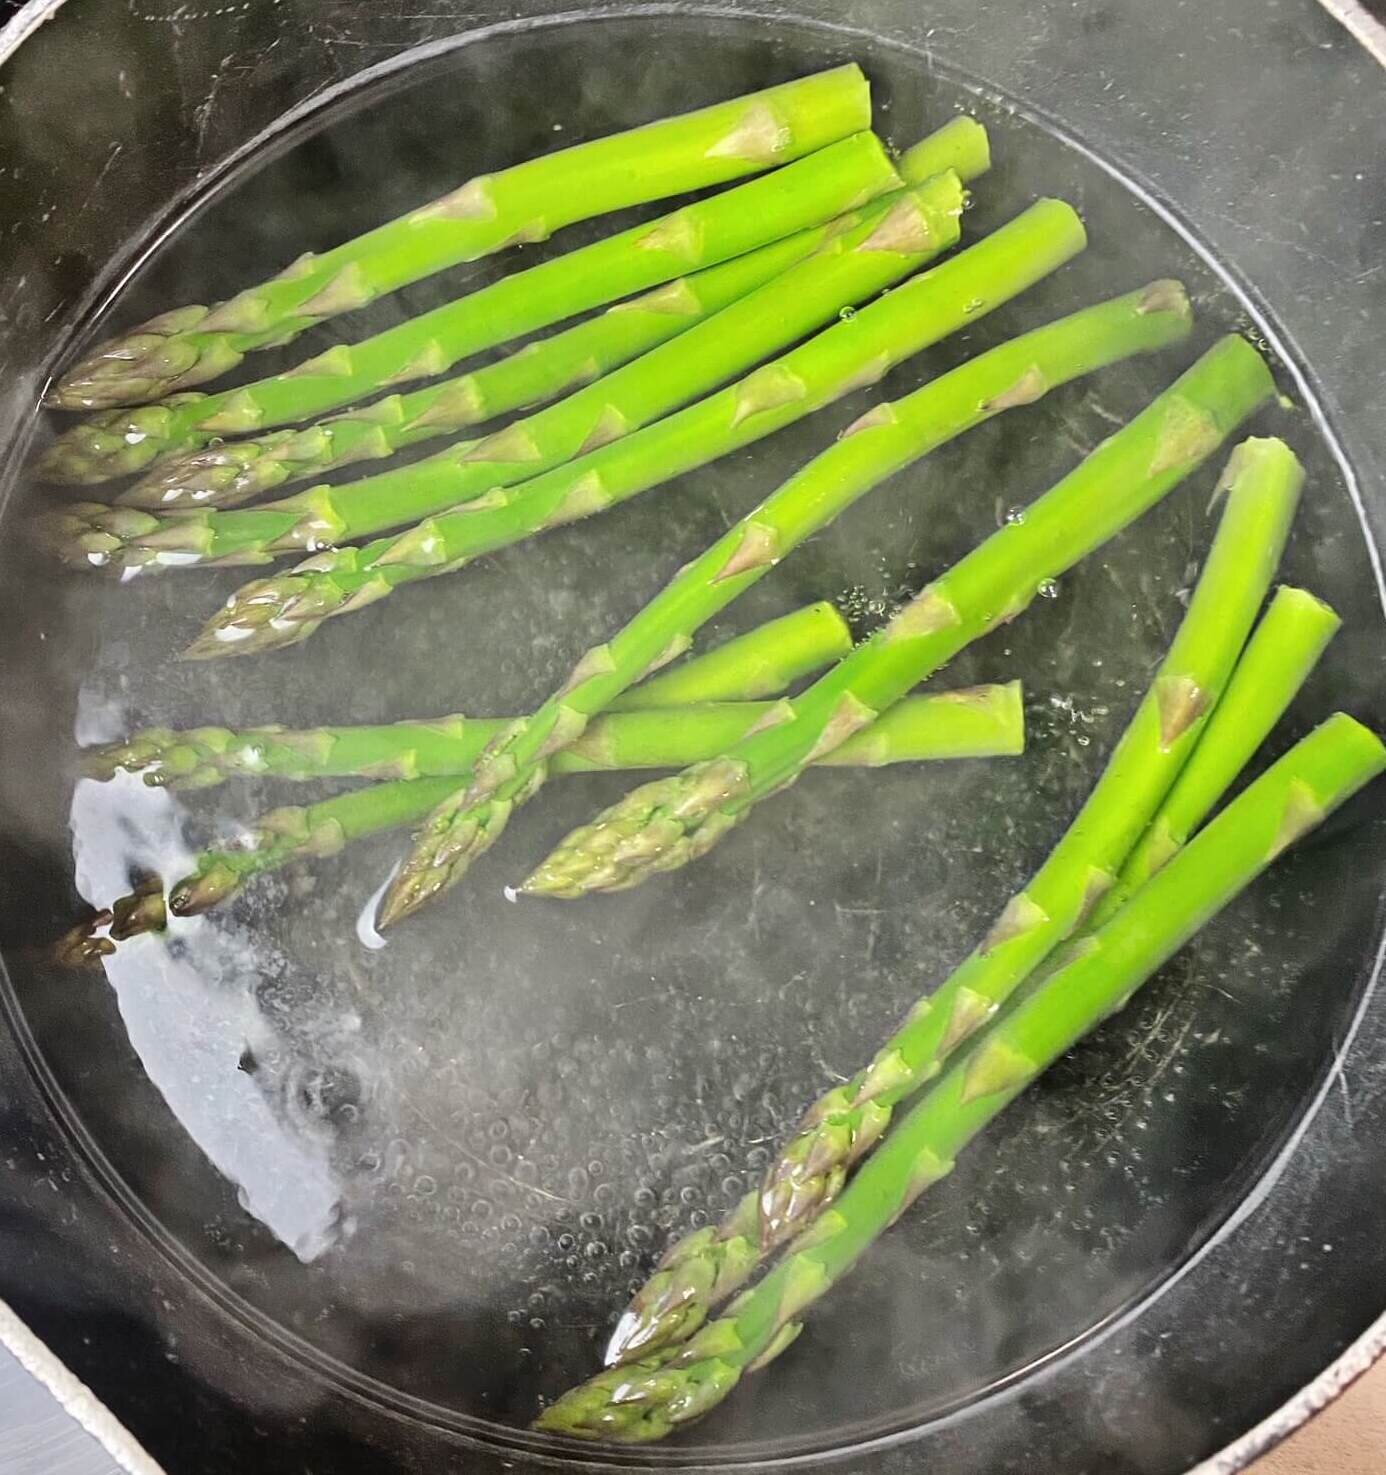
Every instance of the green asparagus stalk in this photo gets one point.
(842, 1126)
(975, 722)
(962, 145)
(1264, 483)
(775, 220)
(647, 1400)
(761, 663)
(661, 826)
(270, 613)
(888, 241)
(524, 203)
(1282, 651)
(764, 662)
(226, 474)
(879, 443)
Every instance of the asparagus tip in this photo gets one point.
(79, 947)
(142, 911)
(199, 893)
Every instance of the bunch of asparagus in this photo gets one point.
(725, 320)
(523, 204)
(1129, 883)
(690, 712)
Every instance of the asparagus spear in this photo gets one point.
(1264, 486)
(661, 826)
(761, 663)
(230, 473)
(888, 240)
(1282, 651)
(976, 722)
(972, 722)
(269, 613)
(649, 1399)
(879, 443)
(524, 203)
(740, 239)
(764, 662)
(1264, 482)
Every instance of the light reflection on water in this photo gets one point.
(188, 1002)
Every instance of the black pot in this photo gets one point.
(285, 1202)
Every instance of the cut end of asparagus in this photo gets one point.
(961, 145)
(156, 359)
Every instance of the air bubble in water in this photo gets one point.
(1048, 589)
(847, 314)
(1015, 516)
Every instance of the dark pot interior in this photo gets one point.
(386, 1199)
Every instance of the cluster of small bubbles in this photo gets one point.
(1015, 516)
(974, 304)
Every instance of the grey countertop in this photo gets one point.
(39, 1436)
